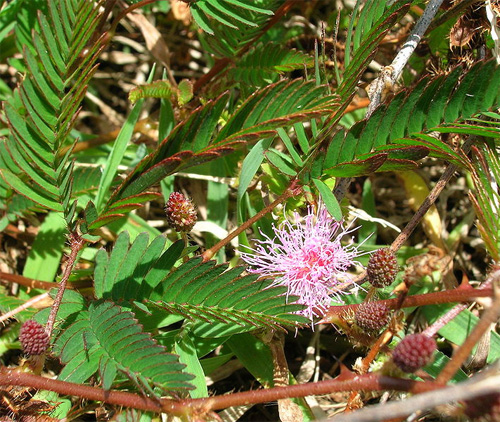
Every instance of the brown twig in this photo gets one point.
(39, 284)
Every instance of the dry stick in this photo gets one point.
(489, 317)
(405, 53)
(24, 306)
(76, 244)
(290, 191)
(479, 385)
(396, 67)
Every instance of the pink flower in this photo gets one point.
(308, 258)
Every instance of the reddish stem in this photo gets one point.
(76, 244)
(366, 382)
(459, 294)
(489, 317)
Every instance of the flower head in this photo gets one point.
(180, 211)
(306, 257)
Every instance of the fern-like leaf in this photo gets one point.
(225, 41)
(107, 339)
(133, 271)
(42, 110)
(400, 130)
(234, 14)
(228, 302)
(485, 170)
(196, 141)
(263, 64)
(196, 291)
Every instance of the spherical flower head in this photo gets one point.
(180, 211)
(34, 340)
(307, 258)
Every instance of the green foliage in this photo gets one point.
(263, 64)
(397, 133)
(485, 170)
(234, 14)
(107, 339)
(42, 110)
(156, 317)
(203, 293)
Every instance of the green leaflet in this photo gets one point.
(133, 271)
(222, 302)
(234, 14)
(196, 141)
(263, 64)
(405, 120)
(106, 338)
(219, 300)
(41, 112)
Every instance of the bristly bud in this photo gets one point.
(484, 408)
(181, 214)
(33, 338)
(414, 352)
(372, 316)
(382, 268)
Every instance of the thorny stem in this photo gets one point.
(431, 330)
(292, 190)
(459, 294)
(366, 382)
(406, 51)
(76, 244)
(489, 317)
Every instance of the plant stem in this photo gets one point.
(292, 190)
(477, 386)
(459, 294)
(366, 382)
(76, 244)
(489, 317)
(25, 305)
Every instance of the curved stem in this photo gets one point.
(292, 190)
(459, 294)
(366, 382)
